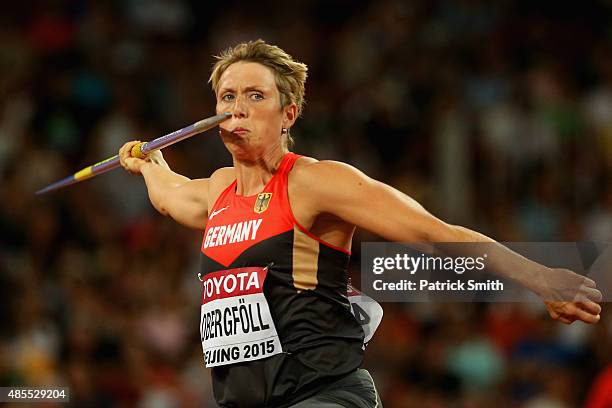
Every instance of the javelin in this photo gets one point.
(140, 150)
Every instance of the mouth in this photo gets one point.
(240, 131)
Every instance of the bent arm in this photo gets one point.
(172, 194)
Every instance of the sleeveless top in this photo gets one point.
(306, 290)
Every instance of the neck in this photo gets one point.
(253, 175)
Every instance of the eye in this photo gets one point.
(227, 97)
(257, 96)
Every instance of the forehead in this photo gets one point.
(247, 74)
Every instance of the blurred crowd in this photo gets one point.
(496, 115)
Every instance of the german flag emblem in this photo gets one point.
(262, 202)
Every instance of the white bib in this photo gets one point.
(236, 324)
(367, 311)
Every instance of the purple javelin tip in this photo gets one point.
(58, 184)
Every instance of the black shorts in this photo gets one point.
(356, 390)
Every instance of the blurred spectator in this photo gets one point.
(495, 115)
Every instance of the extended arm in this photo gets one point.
(358, 199)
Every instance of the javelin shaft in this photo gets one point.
(145, 148)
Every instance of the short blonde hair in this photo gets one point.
(290, 75)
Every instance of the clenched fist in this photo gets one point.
(134, 164)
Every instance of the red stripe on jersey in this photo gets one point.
(313, 236)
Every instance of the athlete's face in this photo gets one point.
(248, 91)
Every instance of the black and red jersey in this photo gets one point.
(306, 289)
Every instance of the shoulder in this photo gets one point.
(325, 184)
(223, 175)
(219, 181)
(309, 172)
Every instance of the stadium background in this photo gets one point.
(496, 115)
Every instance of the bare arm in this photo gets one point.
(172, 194)
(387, 212)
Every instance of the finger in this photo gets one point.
(590, 283)
(131, 163)
(586, 294)
(122, 153)
(566, 320)
(589, 318)
(123, 156)
(592, 294)
(553, 314)
(125, 153)
(572, 310)
(590, 307)
(126, 149)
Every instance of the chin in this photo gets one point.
(240, 152)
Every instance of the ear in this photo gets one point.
(289, 115)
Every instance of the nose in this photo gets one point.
(239, 108)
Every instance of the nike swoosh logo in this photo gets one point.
(212, 214)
